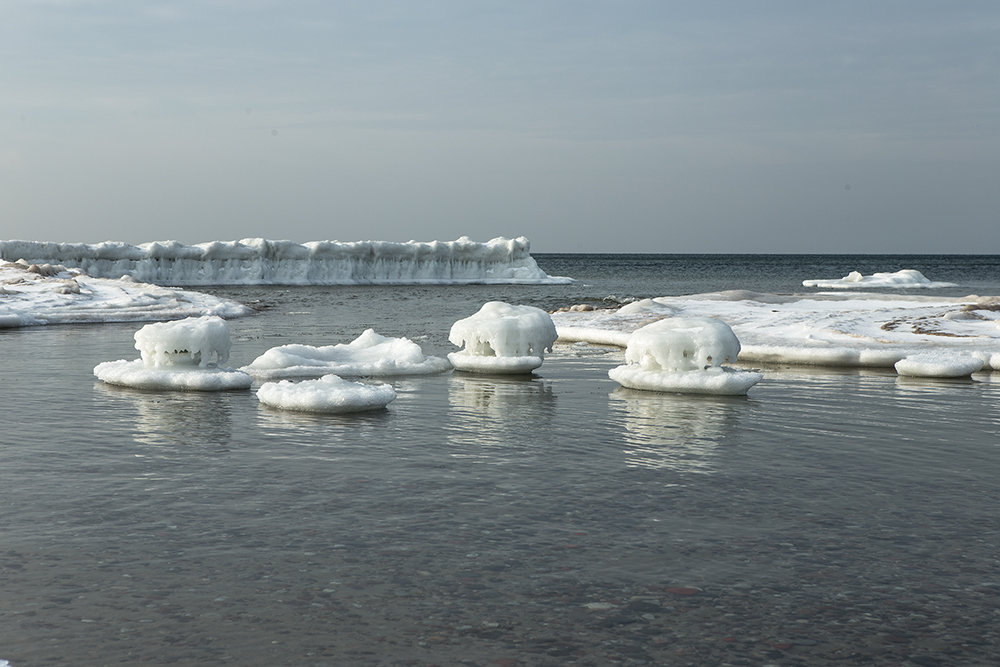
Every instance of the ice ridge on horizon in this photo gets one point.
(259, 261)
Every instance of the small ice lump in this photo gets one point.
(684, 355)
(502, 338)
(184, 354)
(329, 394)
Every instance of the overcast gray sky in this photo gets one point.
(625, 125)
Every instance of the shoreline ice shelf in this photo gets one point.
(265, 262)
(826, 329)
(39, 294)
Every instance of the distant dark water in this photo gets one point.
(830, 517)
(652, 275)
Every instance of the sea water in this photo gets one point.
(830, 516)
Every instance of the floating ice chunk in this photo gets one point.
(502, 338)
(940, 364)
(370, 354)
(903, 279)
(178, 355)
(329, 393)
(685, 355)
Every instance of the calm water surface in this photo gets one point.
(843, 517)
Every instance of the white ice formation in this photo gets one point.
(826, 329)
(502, 338)
(186, 354)
(36, 294)
(370, 354)
(684, 355)
(265, 262)
(329, 394)
(903, 279)
(939, 365)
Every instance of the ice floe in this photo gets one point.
(257, 261)
(370, 354)
(330, 394)
(36, 294)
(185, 354)
(903, 279)
(684, 355)
(502, 338)
(939, 364)
(826, 329)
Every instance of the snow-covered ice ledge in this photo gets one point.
(36, 294)
(264, 262)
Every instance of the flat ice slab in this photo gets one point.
(37, 294)
(939, 365)
(902, 279)
(265, 262)
(330, 394)
(716, 380)
(370, 354)
(473, 363)
(137, 375)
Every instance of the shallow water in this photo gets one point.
(829, 517)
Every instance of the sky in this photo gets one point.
(587, 126)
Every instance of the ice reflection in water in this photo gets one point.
(494, 417)
(175, 417)
(675, 431)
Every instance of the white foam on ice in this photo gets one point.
(939, 364)
(370, 354)
(684, 355)
(265, 262)
(502, 338)
(184, 354)
(37, 294)
(826, 329)
(903, 279)
(330, 393)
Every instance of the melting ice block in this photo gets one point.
(685, 355)
(939, 364)
(369, 354)
(502, 338)
(329, 393)
(184, 354)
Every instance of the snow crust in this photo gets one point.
(370, 354)
(330, 394)
(37, 294)
(903, 279)
(939, 364)
(686, 355)
(502, 338)
(184, 355)
(826, 329)
(256, 261)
